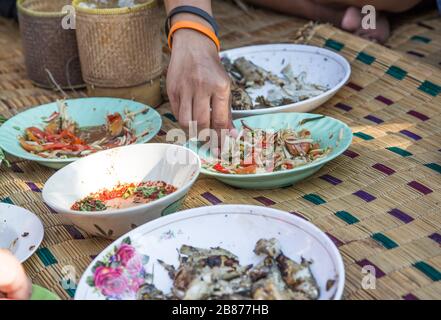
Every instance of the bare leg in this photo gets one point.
(305, 8)
(352, 22)
(333, 11)
(380, 5)
(352, 18)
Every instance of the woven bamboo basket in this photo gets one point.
(49, 49)
(119, 47)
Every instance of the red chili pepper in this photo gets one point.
(289, 166)
(54, 146)
(115, 124)
(218, 167)
(65, 134)
(113, 117)
(35, 134)
(116, 192)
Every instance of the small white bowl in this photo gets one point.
(131, 164)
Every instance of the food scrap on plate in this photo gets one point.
(261, 151)
(285, 89)
(216, 274)
(63, 138)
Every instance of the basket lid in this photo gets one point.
(146, 4)
(43, 8)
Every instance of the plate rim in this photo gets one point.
(38, 223)
(29, 156)
(302, 168)
(324, 240)
(283, 47)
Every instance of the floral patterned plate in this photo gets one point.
(120, 270)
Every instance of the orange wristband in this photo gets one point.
(194, 26)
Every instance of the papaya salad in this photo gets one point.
(124, 196)
(62, 138)
(261, 151)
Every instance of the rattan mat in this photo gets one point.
(380, 202)
(420, 39)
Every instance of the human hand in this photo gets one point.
(14, 284)
(197, 84)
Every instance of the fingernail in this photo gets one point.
(234, 133)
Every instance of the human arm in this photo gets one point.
(197, 84)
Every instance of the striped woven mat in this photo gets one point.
(420, 40)
(380, 202)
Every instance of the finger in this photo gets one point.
(13, 280)
(230, 115)
(185, 110)
(215, 152)
(233, 131)
(174, 105)
(220, 118)
(173, 95)
(221, 113)
(201, 111)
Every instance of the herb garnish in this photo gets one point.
(90, 204)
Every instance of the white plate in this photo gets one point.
(234, 227)
(322, 66)
(21, 231)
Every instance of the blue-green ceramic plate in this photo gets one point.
(86, 112)
(328, 131)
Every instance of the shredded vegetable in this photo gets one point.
(61, 137)
(259, 151)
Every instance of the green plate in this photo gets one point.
(328, 131)
(39, 293)
(86, 112)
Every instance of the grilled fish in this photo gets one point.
(217, 274)
(285, 89)
(297, 279)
